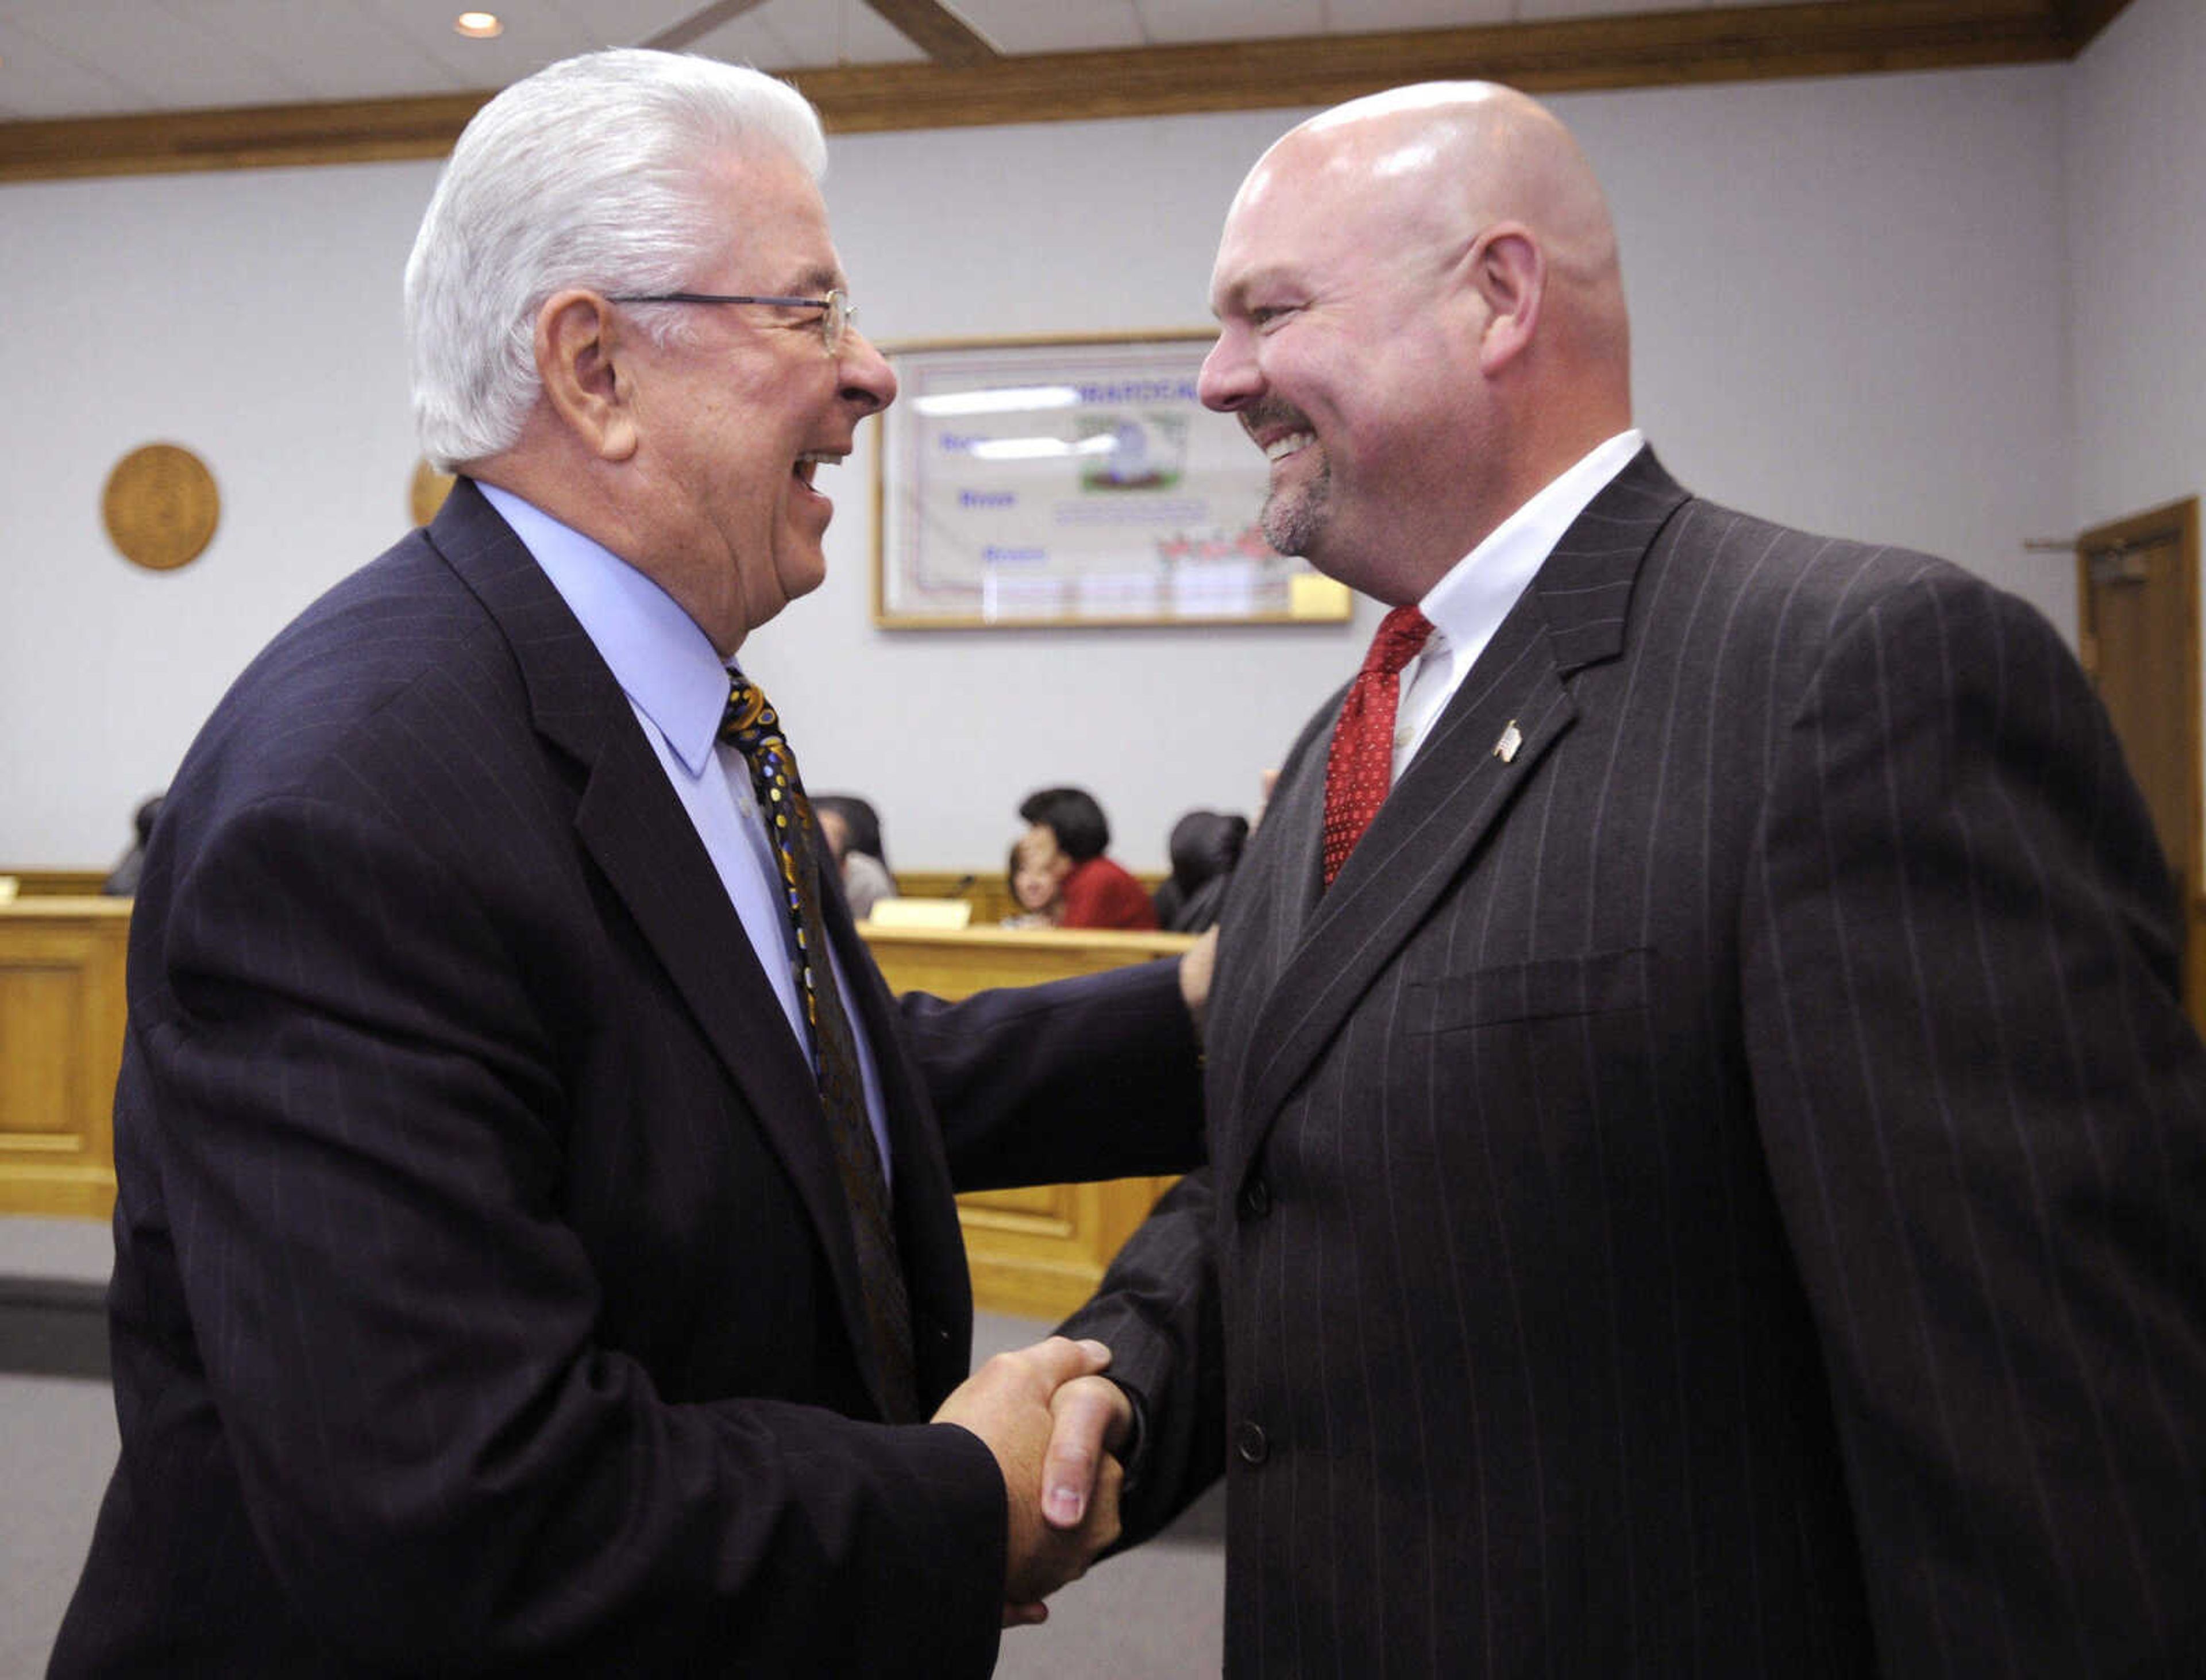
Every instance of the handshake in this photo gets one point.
(1053, 1423)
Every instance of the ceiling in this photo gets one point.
(109, 86)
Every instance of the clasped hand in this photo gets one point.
(1052, 1421)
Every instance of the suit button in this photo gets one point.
(1255, 1199)
(1248, 1441)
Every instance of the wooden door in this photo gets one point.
(2138, 582)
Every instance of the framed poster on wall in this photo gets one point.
(1074, 481)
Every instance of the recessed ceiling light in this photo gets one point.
(478, 25)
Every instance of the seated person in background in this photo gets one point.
(853, 831)
(1034, 878)
(123, 880)
(1097, 892)
(1204, 847)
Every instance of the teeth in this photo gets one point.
(811, 461)
(1282, 447)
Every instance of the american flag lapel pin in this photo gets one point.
(1511, 738)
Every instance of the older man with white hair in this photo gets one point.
(535, 1245)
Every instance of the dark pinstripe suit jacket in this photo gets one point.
(484, 1296)
(1722, 1191)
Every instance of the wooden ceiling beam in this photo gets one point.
(2081, 20)
(936, 31)
(698, 24)
(1830, 37)
(1745, 43)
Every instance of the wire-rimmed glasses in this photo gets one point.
(837, 312)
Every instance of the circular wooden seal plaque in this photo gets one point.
(161, 506)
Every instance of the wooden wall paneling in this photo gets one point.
(61, 1015)
(57, 883)
(1038, 1252)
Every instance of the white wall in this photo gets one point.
(1849, 312)
(2137, 260)
(252, 317)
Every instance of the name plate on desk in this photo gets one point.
(920, 913)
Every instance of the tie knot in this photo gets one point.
(1402, 633)
(749, 717)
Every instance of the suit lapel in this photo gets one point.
(1445, 802)
(633, 825)
(1446, 805)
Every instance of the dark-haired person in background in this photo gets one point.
(121, 881)
(852, 829)
(1096, 892)
(1203, 847)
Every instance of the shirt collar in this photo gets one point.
(1468, 605)
(663, 662)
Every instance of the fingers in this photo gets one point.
(1089, 1417)
(1059, 1360)
(1055, 1556)
(1019, 1403)
(1195, 969)
(1023, 1377)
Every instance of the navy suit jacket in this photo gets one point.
(484, 1295)
(1718, 1184)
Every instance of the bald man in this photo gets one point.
(1706, 1169)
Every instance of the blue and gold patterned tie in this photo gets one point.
(752, 726)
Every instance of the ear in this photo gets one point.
(580, 345)
(1509, 271)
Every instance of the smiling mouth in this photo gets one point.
(811, 461)
(1280, 448)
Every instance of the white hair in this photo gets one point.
(590, 173)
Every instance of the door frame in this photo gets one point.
(2179, 521)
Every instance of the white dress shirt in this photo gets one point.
(1467, 607)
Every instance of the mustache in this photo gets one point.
(1270, 411)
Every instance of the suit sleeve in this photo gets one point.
(1157, 1310)
(1068, 1082)
(1158, 1307)
(1985, 1119)
(358, 1097)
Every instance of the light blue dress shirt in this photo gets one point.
(677, 689)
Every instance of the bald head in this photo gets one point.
(1452, 159)
(1449, 244)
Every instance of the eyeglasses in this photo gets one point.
(836, 310)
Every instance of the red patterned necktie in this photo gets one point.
(1361, 766)
(753, 728)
